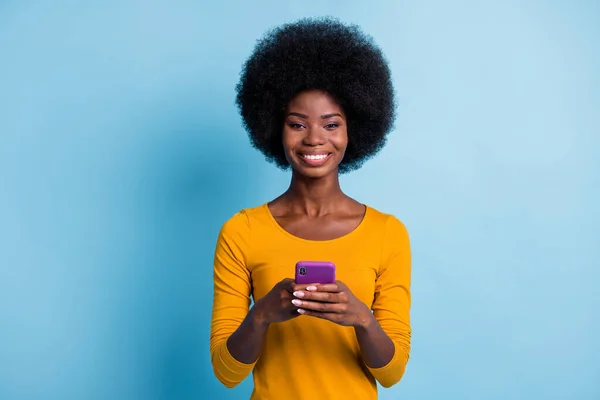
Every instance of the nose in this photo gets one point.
(314, 137)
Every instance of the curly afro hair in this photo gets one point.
(322, 54)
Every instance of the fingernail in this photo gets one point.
(311, 288)
(301, 311)
(296, 302)
(298, 294)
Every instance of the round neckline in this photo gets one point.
(298, 238)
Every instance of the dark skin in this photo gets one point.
(314, 139)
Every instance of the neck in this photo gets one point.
(314, 197)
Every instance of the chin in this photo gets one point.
(314, 173)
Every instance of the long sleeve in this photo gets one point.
(231, 302)
(309, 355)
(391, 306)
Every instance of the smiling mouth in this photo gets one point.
(315, 160)
(315, 157)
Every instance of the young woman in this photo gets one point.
(316, 97)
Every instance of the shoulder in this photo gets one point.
(390, 230)
(389, 222)
(238, 221)
(395, 241)
(242, 221)
(241, 229)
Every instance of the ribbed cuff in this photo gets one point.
(231, 369)
(392, 372)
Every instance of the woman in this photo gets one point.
(316, 97)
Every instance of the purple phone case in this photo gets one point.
(315, 272)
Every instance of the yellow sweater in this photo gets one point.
(307, 357)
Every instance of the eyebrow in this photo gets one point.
(324, 116)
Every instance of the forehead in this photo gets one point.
(314, 102)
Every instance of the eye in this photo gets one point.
(295, 126)
(331, 126)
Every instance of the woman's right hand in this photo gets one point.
(276, 306)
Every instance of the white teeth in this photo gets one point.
(314, 157)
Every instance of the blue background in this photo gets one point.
(121, 154)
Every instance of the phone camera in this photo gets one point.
(302, 271)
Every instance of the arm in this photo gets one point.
(385, 342)
(236, 338)
(382, 331)
(376, 347)
(246, 343)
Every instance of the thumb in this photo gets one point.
(288, 284)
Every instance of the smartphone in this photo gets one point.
(315, 272)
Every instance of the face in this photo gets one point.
(314, 134)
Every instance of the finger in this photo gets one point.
(302, 311)
(318, 306)
(327, 297)
(293, 312)
(327, 287)
(303, 286)
(338, 286)
(288, 284)
(341, 286)
(327, 316)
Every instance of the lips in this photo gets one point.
(315, 156)
(315, 159)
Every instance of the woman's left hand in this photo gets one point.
(334, 302)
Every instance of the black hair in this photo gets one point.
(323, 54)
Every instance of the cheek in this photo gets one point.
(340, 140)
(289, 143)
(285, 140)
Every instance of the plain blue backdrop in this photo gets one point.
(121, 154)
